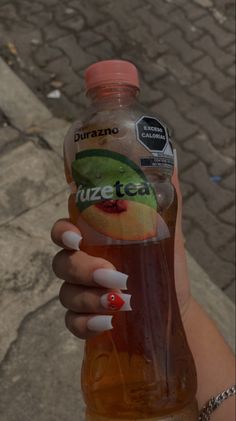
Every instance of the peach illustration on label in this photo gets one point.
(122, 219)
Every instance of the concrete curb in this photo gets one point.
(27, 113)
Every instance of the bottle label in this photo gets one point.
(153, 135)
(114, 197)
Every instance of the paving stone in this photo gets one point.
(54, 133)
(25, 115)
(207, 67)
(230, 291)
(220, 136)
(9, 11)
(219, 307)
(76, 23)
(204, 3)
(116, 37)
(219, 271)
(49, 2)
(185, 158)
(74, 87)
(9, 139)
(43, 18)
(93, 15)
(218, 234)
(102, 51)
(162, 8)
(149, 95)
(27, 280)
(114, 11)
(28, 177)
(61, 69)
(63, 106)
(221, 58)
(229, 182)
(157, 27)
(37, 223)
(42, 370)
(173, 89)
(179, 46)
(27, 8)
(78, 57)
(221, 37)
(187, 190)
(149, 70)
(228, 216)
(217, 163)
(169, 113)
(52, 32)
(216, 198)
(46, 54)
(227, 252)
(145, 42)
(218, 105)
(183, 74)
(231, 71)
(87, 38)
(193, 11)
(191, 32)
(186, 225)
(230, 150)
(7, 133)
(229, 23)
(177, 2)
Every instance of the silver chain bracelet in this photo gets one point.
(215, 402)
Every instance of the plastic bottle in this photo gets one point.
(119, 163)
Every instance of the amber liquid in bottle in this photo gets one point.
(142, 369)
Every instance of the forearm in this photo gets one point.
(214, 360)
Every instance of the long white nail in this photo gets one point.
(71, 239)
(110, 278)
(175, 158)
(100, 323)
(116, 302)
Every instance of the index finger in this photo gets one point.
(65, 234)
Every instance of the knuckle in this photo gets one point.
(54, 230)
(68, 320)
(71, 325)
(62, 294)
(58, 262)
(55, 263)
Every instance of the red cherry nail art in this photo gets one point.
(115, 302)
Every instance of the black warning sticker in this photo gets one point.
(152, 134)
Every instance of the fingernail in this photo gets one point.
(110, 278)
(116, 302)
(71, 239)
(100, 323)
(175, 158)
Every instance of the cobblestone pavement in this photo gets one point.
(185, 54)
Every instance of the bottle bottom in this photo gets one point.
(188, 413)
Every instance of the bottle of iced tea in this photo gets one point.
(119, 163)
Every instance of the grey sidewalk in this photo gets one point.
(39, 360)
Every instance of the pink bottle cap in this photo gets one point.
(111, 71)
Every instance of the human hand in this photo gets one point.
(92, 286)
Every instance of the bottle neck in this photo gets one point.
(117, 95)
